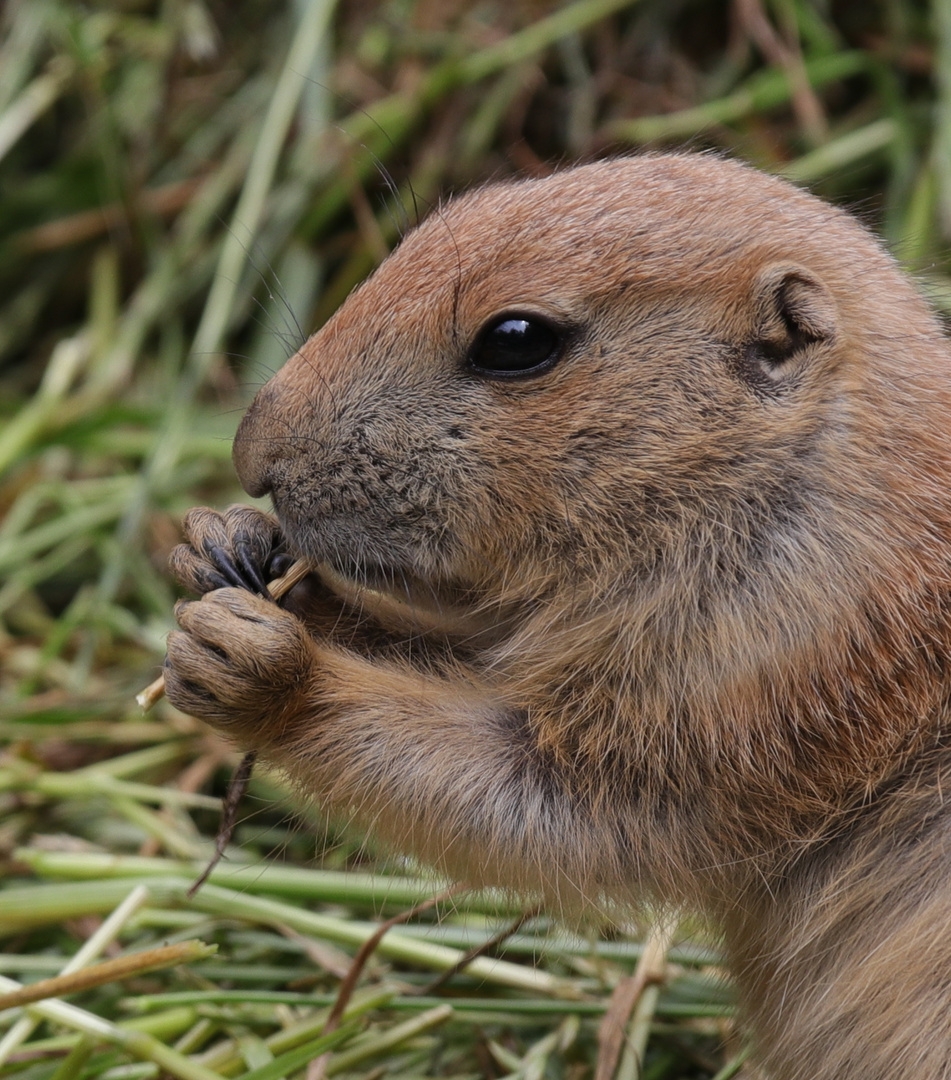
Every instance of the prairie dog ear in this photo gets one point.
(792, 308)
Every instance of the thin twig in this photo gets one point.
(318, 1067)
(237, 787)
(108, 971)
(93, 947)
(788, 56)
(612, 1032)
(89, 224)
(479, 950)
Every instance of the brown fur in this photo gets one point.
(674, 614)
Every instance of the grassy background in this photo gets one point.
(189, 187)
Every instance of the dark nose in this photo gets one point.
(254, 453)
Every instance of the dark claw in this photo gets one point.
(226, 564)
(211, 580)
(245, 557)
(278, 565)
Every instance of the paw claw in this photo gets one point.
(229, 549)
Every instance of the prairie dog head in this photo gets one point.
(628, 369)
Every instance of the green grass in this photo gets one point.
(188, 189)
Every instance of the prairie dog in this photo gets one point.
(635, 488)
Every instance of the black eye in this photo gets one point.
(512, 345)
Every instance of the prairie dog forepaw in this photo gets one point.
(240, 547)
(241, 663)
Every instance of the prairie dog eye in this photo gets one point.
(514, 344)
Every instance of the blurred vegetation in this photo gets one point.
(189, 188)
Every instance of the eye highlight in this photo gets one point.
(515, 344)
